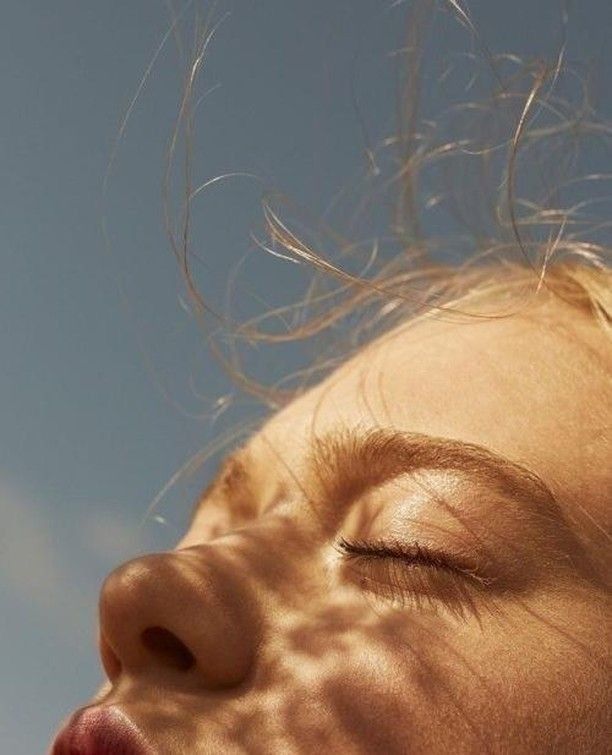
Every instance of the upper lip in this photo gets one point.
(100, 730)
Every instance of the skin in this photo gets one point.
(295, 649)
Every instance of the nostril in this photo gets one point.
(167, 648)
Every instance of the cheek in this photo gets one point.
(372, 681)
(392, 681)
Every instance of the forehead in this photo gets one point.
(533, 387)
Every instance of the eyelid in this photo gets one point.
(415, 553)
(416, 576)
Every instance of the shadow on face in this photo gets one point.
(407, 558)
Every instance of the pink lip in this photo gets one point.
(100, 731)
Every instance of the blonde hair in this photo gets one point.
(532, 247)
(527, 244)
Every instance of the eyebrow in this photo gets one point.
(344, 464)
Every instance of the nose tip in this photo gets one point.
(187, 614)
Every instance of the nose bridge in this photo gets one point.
(191, 612)
(281, 554)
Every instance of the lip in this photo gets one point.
(100, 731)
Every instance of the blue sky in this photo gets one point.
(106, 388)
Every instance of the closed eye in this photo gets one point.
(411, 553)
(414, 575)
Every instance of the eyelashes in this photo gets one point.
(414, 575)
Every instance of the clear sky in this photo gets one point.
(105, 386)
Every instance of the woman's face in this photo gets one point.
(466, 609)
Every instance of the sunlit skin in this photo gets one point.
(260, 634)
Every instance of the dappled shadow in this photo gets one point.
(278, 649)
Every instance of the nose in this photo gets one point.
(188, 614)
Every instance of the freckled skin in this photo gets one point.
(293, 653)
